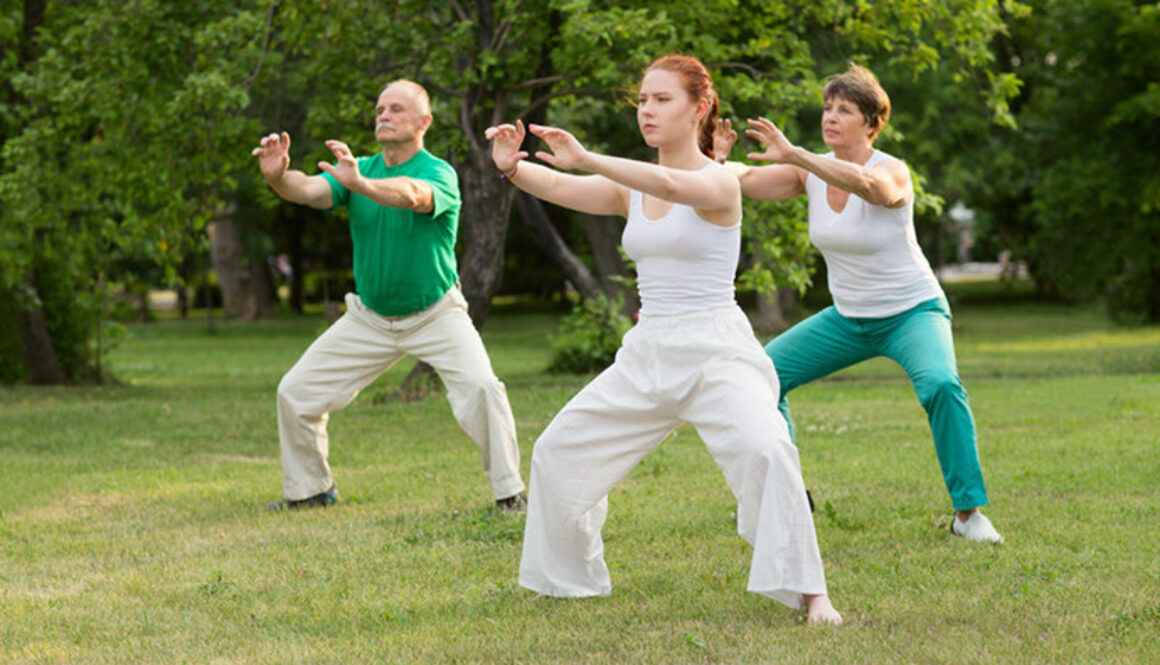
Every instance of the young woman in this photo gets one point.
(887, 301)
(692, 357)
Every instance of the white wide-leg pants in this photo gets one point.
(359, 347)
(706, 369)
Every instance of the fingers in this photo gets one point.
(270, 141)
(327, 167)
(544, 131)
(546, 157)
(340, 149)
(506, 131)
(762, 122)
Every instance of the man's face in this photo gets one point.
(400, 116)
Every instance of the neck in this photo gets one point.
(859, 154)
(686, 156)
(397, 153)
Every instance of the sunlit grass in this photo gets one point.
(132, 529)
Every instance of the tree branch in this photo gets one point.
(757, 73)
(459, 10)
(544, 99)
(253, 78)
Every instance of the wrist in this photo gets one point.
(796, 155)
(509, 174)
(588, 162)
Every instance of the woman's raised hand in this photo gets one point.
(724, 136)
(506, 140)
(567, 153)
(777, 147)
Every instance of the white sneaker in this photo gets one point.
(977, 528)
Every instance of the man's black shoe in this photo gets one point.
(516, 504)
(322, 500)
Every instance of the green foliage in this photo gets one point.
(1075, 191)
(120, 146)
(589, 336)
(123, 146)
(778, 237)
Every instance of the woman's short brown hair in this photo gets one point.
(859, 85)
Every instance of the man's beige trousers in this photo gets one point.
(359, 347)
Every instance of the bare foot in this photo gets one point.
(819, 610)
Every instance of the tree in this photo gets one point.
(1076, 191)
(126, 162)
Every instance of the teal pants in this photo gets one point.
(920, 341)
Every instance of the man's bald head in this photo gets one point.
(420, 93)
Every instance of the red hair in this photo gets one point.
(699, 85)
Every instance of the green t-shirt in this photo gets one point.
(404, 261)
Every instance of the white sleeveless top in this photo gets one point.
(683, 262)
(874, 265)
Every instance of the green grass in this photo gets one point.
(131, 528)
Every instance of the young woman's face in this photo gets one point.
(664, 111)
(843, 125)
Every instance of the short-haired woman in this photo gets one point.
(887, 301)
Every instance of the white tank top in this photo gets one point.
(683, 263)
(874, 265)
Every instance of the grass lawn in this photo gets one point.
(132, 529)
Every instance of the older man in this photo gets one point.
(404, 214)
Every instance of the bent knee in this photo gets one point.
(939, 387)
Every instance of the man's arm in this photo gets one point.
(273, 155)
(400, 192)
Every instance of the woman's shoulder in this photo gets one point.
(879, 157)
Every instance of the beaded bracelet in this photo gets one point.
(508, 178)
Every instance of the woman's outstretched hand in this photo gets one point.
(566, 152)
(778, 149)
(724, 136)
(505, 147)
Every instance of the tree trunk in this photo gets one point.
(536, 218)
(604, 237)
(226, 259)
(259, 292)
(294, 229)
(246, 289)
(1154, 295)
(483, 225)
(774, 310)
(40, 359)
